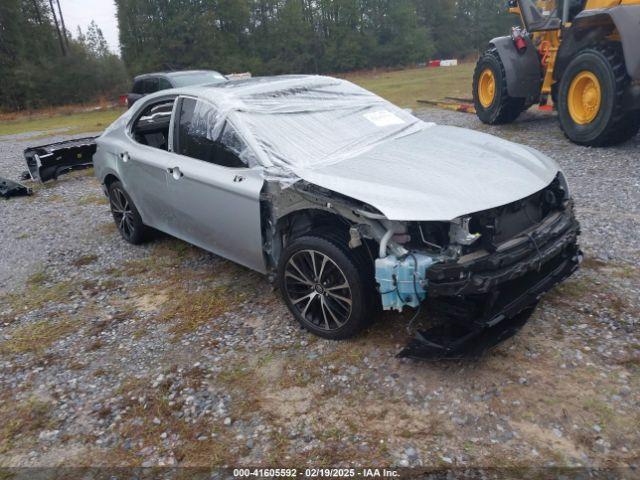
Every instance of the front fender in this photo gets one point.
(523, 72)
(591, 26)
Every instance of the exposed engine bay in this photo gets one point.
(483, 272)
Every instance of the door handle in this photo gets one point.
(175, 173)
(125, 156)
(238, 178)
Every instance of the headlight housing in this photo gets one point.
(562, 180)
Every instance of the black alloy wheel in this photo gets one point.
(126, 216)
(318, 289)
(327, 286)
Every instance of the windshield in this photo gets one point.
(322, 122)
(197, 78)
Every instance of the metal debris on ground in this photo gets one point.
(9, 188)
(47, 162)
(451, 104)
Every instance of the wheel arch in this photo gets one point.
(109, 179)
(299, 222)
(591, 27)
(523, 70)
(302, 221)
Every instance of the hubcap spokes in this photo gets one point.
(122, 213)
(318, 289)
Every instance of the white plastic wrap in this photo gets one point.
(299, 122)
(339, 136)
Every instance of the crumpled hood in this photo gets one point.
(437, 174)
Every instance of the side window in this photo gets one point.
(138, 87)
(152, 126)
(195, 136)
(163, 84)
(151, 85)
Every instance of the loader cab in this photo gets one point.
(549, 15)
(538, 16)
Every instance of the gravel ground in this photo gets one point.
(164, 354)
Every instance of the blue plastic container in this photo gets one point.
(402, 282)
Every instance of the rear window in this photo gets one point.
(152, 126)
(151, 85)
(164, 84)
(138, 87)
(199, 78)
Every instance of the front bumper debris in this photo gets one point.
(481, 273)
(9, 188)
(47, 162)
(487, 298)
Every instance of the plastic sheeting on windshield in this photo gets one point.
(299, 122)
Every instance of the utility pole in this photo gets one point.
(55, 20)
(64, 28)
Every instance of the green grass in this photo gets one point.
(402, 87)
(38, 336)
(405, 87)
(72, 123)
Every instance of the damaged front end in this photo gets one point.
(483, 273)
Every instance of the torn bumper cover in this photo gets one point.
(47, 162)
(486, 297)
(9, 188)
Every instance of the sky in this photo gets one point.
(81, 12)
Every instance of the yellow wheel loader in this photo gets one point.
(581, 57)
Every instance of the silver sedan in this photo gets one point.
(347, 202)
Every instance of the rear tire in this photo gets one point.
(126, 215)
(312, 294)
(503, 108)
(612, 124)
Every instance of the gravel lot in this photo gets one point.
(165, 354)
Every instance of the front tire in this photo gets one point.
(591, 99)
(126, 215)
(327, 286)
(491, 99)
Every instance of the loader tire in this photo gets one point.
(630, 128)
(493, 104)
(591, 99)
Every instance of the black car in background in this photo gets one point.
(154, 82)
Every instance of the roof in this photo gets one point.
(239, 89)
(170, 74)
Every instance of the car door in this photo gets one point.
(214, 195)
(144, 159)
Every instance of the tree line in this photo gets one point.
(302, 36)
(42, 63)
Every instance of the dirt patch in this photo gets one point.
(547, 439)
(288, 403)
(152, 302)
